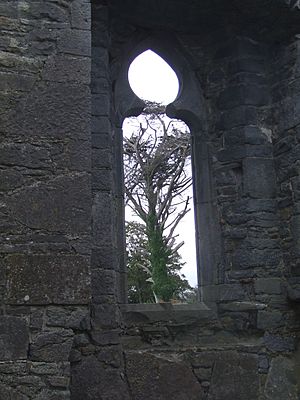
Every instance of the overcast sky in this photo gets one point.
(151, 78)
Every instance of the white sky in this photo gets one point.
(151, 78)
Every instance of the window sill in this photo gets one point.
(176, 313)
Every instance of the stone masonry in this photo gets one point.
(66, 332)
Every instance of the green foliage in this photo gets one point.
(138, 265)
(163, 284)
(151, 269)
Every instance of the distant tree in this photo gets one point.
(138, 264)
(139, 273)
(155, 159)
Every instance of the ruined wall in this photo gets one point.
(45, 185)
(65, 332)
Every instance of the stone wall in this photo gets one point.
(65, 330)
(45, 188)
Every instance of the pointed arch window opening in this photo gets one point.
(152, 79)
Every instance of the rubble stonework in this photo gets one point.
(66, 332)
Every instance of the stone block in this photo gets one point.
(105, 316)
(268, 286)
(81, 15)
(269, 320)
(102, 180)
(8, 393)
(103, 382)
(103, 222)
(101, 159)
(76, 42)
(46, 279)
(61, 205)
(101, 140)
(52, 394)
(249, 257)
(279, 344)
(259, 177)
(282, 380)
(24, 155)
(47, 10)
(293, 290)
(49, 368)
(76, 318)
(103, 282)
(63, 110)
(154, 377)
(238, 116)
(265, 150)
(14, 338)
(234, 376)
(257, 136)
(248, 64)
(219, 293)
(100, 105)
(242, 95)
(104, 338)
(52, 346)
(66, 68)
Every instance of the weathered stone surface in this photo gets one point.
(103, 382)
(74, 318)
(269, 319)
(259, 178)
(8, 393)
(61, 109)
(45, 279)
(105, 316)
(49, 368)
(282, 380)
(268, 285)
(49, 394)
(60, 205)
(154, 377)
(14, 338)
(277, 343)
(53, 346)
(234, 376)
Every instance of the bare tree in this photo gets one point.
(155, 159)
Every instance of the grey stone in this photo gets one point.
(103, 382)
(75, 42)
(223, 292)
(49, 368)
(81, 15)
(74, 318)
(235, 376)
(42, 279)
(61, 205)
(78, 69)
(282, 380)
(269, 319)
(236, 95)
(259, 177)
(240, 306)
(268, 285)
(276, 343)
(263, 363)
(53, 394)
(53, 346)
(155, 377)
(8, 393)
(14, 338)
(105, 316)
